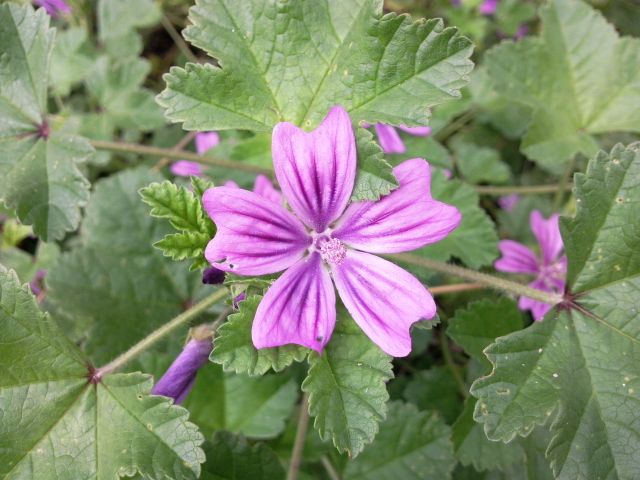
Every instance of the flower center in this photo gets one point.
(331, 250)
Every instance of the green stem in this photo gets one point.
(488, 280)
(177, 39)
(521, 190)
(177, 155)
(161, 332)
(329, 468)
(301, 434)
(453, 368)
(562, 187)
(454, 126)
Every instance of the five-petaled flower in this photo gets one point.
(54, 7)
(325, 238)
(549, 268)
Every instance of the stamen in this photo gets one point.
(331, 250)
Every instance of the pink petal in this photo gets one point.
(205, 141)
(516, 258)
(231, 183)
(253, 237)
(184, 168)
(406, 219)
(509, 202)
(548, 234)
(300, 308)
(265, 188)
(417, 131)
(316, 170)
(389, 139)
(538, 309)
(383, 299)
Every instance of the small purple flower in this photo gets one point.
(456, 3)
(328, 241)
(54, 7)
(205, 141)
(488, 7)
(179, 378)
(390, 140)
(509, 202)
(523, 31)
(550, 267)
(37, 282)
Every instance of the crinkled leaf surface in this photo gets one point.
(347, 387)
(294, 60)
(234, 350)
(55, 423)
(183, 208)
(122, 287)
(374, 175)
(581, 364)
(253, 406)
(231, 457)
(579, 76)
(475, 241)
(38, 172)
(72, 59)
(411, 444)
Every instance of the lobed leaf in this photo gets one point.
(234, 350)
(580, 365)
(346, 387)
(55, 420)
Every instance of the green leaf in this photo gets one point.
(38, 173)
(603, 241)
(479, 164)
(374, 175)
(55, 420)
(185, 212)
(473, 448)
(71, 61)
(478, 325)
(231, 457)
(117, 87)
(435, 389)
(475, 241)
(122, 287)
(580, 365)
(347, 387)
(379, 67)
(576, 88)
(253, 406)
(118, 20)
(411, 444)
(234, 350)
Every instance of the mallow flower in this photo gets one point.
(549, 268)
(390, 139)
(509, 202)
(325, 241)
(204, 141)
(488, 7)
(54, 7)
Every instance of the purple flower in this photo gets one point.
(390, 140)
(488, 7)
(509, 202)
(549, 268)
(205, 141)
(456, 3)
(523, 31)
(179, 378)
(37, 282)
(326, 240)
(212, 276)
(54, 7)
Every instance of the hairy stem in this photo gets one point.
(456, 287)
(301, 434)
(479, 277)
(178, 155)
(521, 190)
(160, 333)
